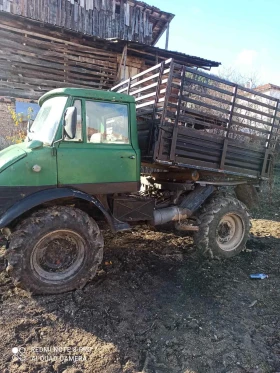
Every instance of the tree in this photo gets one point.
(20, 122)
(233, 75)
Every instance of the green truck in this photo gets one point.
(164, 146)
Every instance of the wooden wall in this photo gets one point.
(37, 57)
(34, 61)
(123, 19)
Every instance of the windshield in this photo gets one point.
(47, 120)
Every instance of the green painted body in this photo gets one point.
(17, 162)
(75, 163)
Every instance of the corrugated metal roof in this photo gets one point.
(185, 59)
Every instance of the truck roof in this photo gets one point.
(87, 93)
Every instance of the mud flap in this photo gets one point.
(196, 198)
(247, 194)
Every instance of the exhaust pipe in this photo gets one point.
(168, 214)
(188, 206)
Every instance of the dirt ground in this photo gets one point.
(155, 307)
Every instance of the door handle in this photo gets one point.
(130, 156)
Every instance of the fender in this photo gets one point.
(48, 195)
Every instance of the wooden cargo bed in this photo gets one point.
(191, 119)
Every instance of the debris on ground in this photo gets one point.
(156, 307)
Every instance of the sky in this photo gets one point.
(241, 34)
(22, 107)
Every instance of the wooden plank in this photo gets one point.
(208, 106)
(69, 43)
(242, 165)
(256, 102)
(48, 84)
(251, 119)
(204, 136)
(49, 49)
(148, 95)
(217, 146)
(27, 94)
(50, 61)
(182, 146)
(252, 110)
(24, 76)
(244, 156)
(244, 135)
(191, 163)
(203, 115)
(195, 162)
(197, 82)
(256, 129)
(149, 103)
(204, 94)
(196, 156)
(27, 67)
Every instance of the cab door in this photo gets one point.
(101, 158)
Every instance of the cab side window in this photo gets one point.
(107, 123)
(79, 133)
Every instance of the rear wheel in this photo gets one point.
(55, 250)
(224, 225)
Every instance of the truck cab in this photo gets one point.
(99, 156)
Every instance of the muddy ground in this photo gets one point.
(155, 307)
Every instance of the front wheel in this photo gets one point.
(224, 225)
(55, 250)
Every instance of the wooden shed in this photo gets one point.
(47, 44)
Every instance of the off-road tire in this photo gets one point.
(216, 212)
(40, 235)
(247, 194)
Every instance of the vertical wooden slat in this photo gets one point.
(224, 154)
(231, 110)
(151, 134)
(272, 123)
(159, 144)
(175, 129)
(8, 6)
(121, 20)
(63, 13)
(131, 23)
(90, 16)
(141, 29)
(114, 9)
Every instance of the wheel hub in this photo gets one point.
(230, 232)
(58, 255)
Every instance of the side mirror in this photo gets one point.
(29, 125)
(70, 122)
